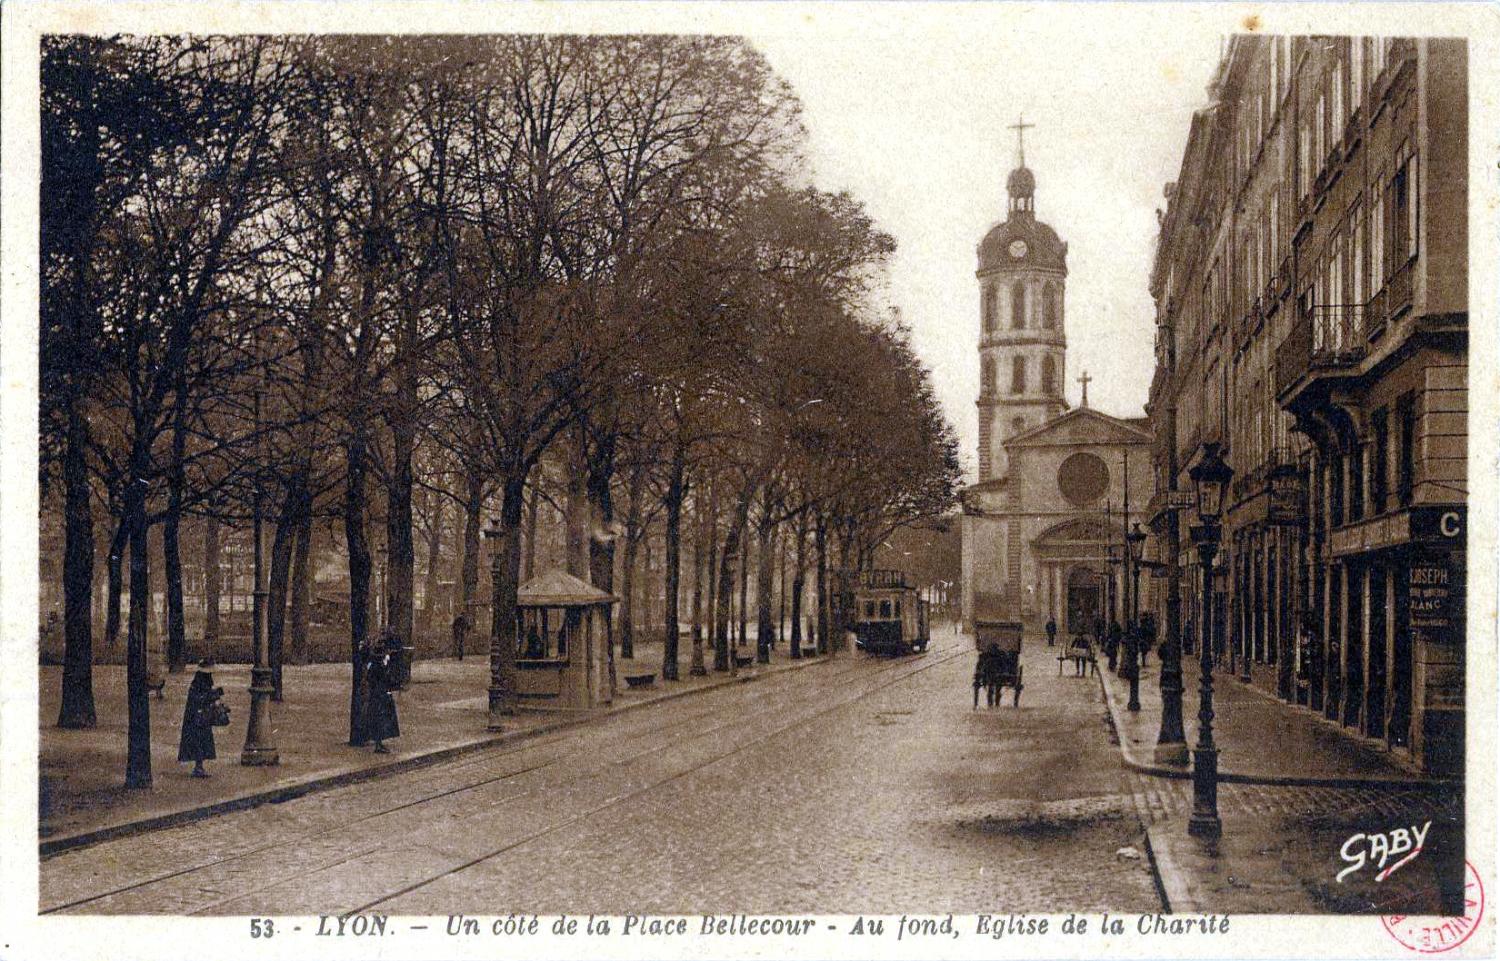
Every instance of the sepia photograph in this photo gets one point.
(808, 480)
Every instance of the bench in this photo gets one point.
(640, 680)
(744, 661)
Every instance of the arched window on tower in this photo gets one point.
(1050, 308)
(987, 376)
(1018, 375)
(989, 308)
(1049, 376)
(1018, 305)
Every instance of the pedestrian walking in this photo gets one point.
(1147, 635)
(378, 720)
(1051, 631)
(1112, 645)
(204, 711)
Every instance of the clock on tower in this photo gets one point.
(1022, 348)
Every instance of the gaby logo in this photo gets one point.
(1377, 849)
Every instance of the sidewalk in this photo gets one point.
(1292, 791)
(1261, 740)
(442, 715)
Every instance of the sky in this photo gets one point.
(914, 123)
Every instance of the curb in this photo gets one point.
(1171, 882)
(314, 784)
(1273, 780)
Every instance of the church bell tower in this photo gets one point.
(1022, 275)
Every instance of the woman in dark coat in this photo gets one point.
(380, 708)
(197, 741)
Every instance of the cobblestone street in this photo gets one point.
(859, 785)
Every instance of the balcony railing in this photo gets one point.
(1328, 336)
(1398, 290)
(1338, 334)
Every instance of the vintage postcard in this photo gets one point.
(806, 480)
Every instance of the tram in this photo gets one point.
(890, 617)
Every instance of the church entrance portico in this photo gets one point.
(1085, 599)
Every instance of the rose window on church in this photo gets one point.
(1082, 478)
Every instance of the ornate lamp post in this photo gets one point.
(1134, 541)
(497, 682)
(260, 750)
(1210, 477)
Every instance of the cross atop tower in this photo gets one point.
(1020, 127)
(1084, 379)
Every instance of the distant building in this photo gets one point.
(1052, 482)
(1312, 311)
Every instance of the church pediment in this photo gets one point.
(1081, 426)
(1084, 530)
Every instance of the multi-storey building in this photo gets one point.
(1311, 290)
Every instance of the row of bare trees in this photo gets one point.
(352, 276)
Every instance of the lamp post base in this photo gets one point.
(1176, 754)
(258, 750)
(1204, 822)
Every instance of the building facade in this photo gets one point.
(1053, 483)
(1312, 315)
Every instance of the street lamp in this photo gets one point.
(497, 689)
(1210, 477)
(260, 749)
(1134, 541)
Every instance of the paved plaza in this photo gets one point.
(833, 785)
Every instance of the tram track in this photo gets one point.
(929, 663)
(662, 736)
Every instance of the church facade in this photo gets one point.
(1053, 482)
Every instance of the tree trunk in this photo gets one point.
(430, 589)
(820, 540)
(576, 558)
(781, 583)
(727, 562)
(696, 666)
(469, 577)
(717, 622)
(601, 544)
(212, 583)
(764, 632)
(627, 596)
(302, 582)
(798, 587)
(744, 613)
(401, 558)
(502, 696)
(77, 709)
(532, 503)
(673, 577)
(118, 543)
(356, 507)
(138, 737)
(171, 534)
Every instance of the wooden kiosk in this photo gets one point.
(562, 637)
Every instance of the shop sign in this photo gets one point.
(1431, 594)
(1372, 535)
(1444, 524)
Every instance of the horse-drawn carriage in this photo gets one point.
(999, 666)
(890, 617)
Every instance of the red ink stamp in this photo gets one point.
(1429, 935)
